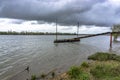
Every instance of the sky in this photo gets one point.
(94, 16)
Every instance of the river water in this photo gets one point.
(42, 55)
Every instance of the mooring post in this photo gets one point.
(110, 40)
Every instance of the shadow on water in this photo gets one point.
(56, 44)
(76, 43)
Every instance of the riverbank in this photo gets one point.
(101, 66)
(104, 66)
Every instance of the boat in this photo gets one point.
(67, 40)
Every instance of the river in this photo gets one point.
(42, 55)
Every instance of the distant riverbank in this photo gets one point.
(36, 33)
(33, 33)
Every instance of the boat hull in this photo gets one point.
(67, 40)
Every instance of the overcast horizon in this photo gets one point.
(94, 16)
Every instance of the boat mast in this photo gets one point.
(56, 29)
(78, 30)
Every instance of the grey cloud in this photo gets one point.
(67, 12)
(17, 21)
(67, 28)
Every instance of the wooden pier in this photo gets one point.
(77, 39)
(92, 35)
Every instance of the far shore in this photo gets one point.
(36, 33)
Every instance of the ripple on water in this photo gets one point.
(19, 61)
(3, 70)
(4, 61)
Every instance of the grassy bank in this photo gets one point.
(102, 66)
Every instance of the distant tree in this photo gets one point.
(116, 28)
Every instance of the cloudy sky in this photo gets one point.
(94, 16)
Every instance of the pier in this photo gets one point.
(77, 39)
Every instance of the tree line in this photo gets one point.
(33, 33)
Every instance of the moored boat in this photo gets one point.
(67, 40)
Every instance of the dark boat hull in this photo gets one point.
(67, 40)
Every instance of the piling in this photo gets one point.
(110, 40)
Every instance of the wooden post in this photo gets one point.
(56, 30)
(110, 40)
(78, 30)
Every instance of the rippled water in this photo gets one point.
(42, 55)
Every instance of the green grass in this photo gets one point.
(101, 71)
(102, 56)
(97, 70)
(77, 73)
(106, 72)
(105, 66)
(33, 77)
(85, 65)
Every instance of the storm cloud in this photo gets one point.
(67, 12)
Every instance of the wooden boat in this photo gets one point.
(67, 40)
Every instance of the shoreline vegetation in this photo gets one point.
(33, 33)
(36, 33)
(100, 66)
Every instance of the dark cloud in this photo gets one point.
(67, 12)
